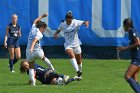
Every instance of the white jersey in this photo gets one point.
(34, 33)
(71, 33)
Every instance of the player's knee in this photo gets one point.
(18, 57)
(70, 53)
(12, 55)
(79, 62)
(43, 58)
(71, 56)
(126, 76)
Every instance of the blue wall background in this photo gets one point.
(27, 10)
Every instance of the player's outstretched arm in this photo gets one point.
(39, 18)
(86, 23)
(56, 34)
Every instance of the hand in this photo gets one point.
(31, 50)
(44, 15)
(55, 36)
(87, 24)
(121, 48)
(5, 45)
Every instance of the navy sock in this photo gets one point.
(138, 84)
(55, 75)
(61, 75)
(69, 80)
(133, 85)
(11, 64)
(15, 61)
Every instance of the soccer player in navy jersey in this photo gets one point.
(11, 41)
(131, 75)
(47, 76)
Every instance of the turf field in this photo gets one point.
(99, 76)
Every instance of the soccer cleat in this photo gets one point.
(65, 78)
(79, 73)
(77, 78)
(12, 71)
(32, 83)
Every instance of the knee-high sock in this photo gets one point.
(70, 80)
(47, 61)
(11, 64)
(80, 67)
(74, 64)
(56, 75)
(15, 61)
(133, 85)
(138, 84)
(32, 76)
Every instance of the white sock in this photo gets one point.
(47, 61)
(32, 76)
(74, 64)
(80, 67)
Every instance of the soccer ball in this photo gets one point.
(60, 81)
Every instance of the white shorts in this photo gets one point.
(76, 50)
(37, 54)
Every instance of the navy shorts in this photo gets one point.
(135, 62)
(12, 43)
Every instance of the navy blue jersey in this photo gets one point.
(40, 72)
(14, 31)
(135, 52)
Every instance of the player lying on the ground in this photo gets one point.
(47, 76)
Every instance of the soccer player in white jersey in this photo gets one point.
(72, 43)
(34, 50)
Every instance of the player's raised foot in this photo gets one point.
(77, 78)
(12, 71)
(65, 78)
(79, 73)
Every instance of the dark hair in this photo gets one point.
(62, 20)
(69, 15)
(22, 69)
(128, 22)
(41, 24)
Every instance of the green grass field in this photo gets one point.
(99, 76)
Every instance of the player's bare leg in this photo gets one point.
(73, 60)
(132, 69)
(135, 76)
(79, 61)
(18, 55)
(32, 73)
